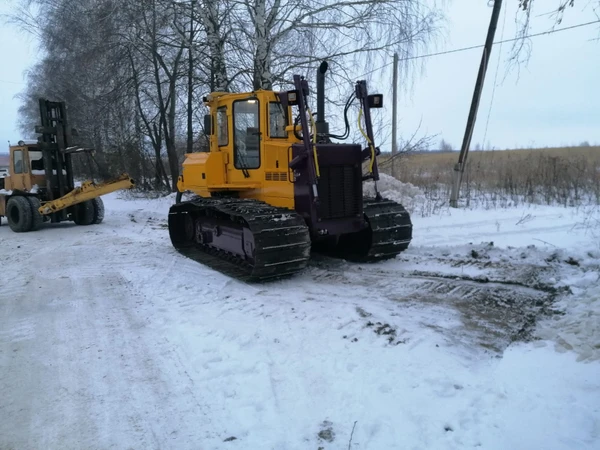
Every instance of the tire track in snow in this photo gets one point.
(495, 307)
(20, 330)
(95, 372)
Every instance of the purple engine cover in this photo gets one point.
(339, 209)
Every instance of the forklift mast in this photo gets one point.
(56, 137)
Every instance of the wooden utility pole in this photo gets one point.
(464, 150)
(394, 113)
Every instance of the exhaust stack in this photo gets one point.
(322, 125)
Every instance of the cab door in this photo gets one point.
(19, 170)
(247, 142)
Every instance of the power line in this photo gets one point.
(464, 49)
(11, 82)
(456, 50)
(487, 122)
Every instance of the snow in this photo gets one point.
(42, 172)
(110, 338)
(34, 190)
(404, 193)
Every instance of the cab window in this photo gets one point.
(36, 161)
(277, 120)
(18, 163)
(222, 128)
(246, 134)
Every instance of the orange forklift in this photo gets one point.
(40, 186)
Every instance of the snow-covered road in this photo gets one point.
(111, 339)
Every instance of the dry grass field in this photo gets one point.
(563, 176)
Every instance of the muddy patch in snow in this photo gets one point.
(495, 297)
(492, 315)
(387, 331)
(326, 434)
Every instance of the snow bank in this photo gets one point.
(142, 205)
(408, 195)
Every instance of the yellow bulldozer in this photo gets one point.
(40, 185)
(274, 186)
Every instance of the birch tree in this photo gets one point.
(133, 73)
(277, 38)
(82, 67)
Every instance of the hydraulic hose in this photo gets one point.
(314, 128)
(371, 146)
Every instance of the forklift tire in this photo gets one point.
(36, 218)
(98, 210)
(84, 213)
(18, 214)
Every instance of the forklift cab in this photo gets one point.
(26, 168)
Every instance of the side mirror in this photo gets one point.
(208, 125)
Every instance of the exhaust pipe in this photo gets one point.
(322, 125)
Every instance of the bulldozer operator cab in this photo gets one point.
(249, 149)
(248, 132)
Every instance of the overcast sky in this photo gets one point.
(554, 101)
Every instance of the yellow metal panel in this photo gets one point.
(202, 170)
(235, 187)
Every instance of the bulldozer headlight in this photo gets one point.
(375, 100)
(293, 97)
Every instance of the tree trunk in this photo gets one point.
(262, 67)
(170, 134)
(190, 88)
(216, 45)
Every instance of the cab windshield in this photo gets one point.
(246, 134)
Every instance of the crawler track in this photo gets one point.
(246, 239)
(389, 233)
(253, 241)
